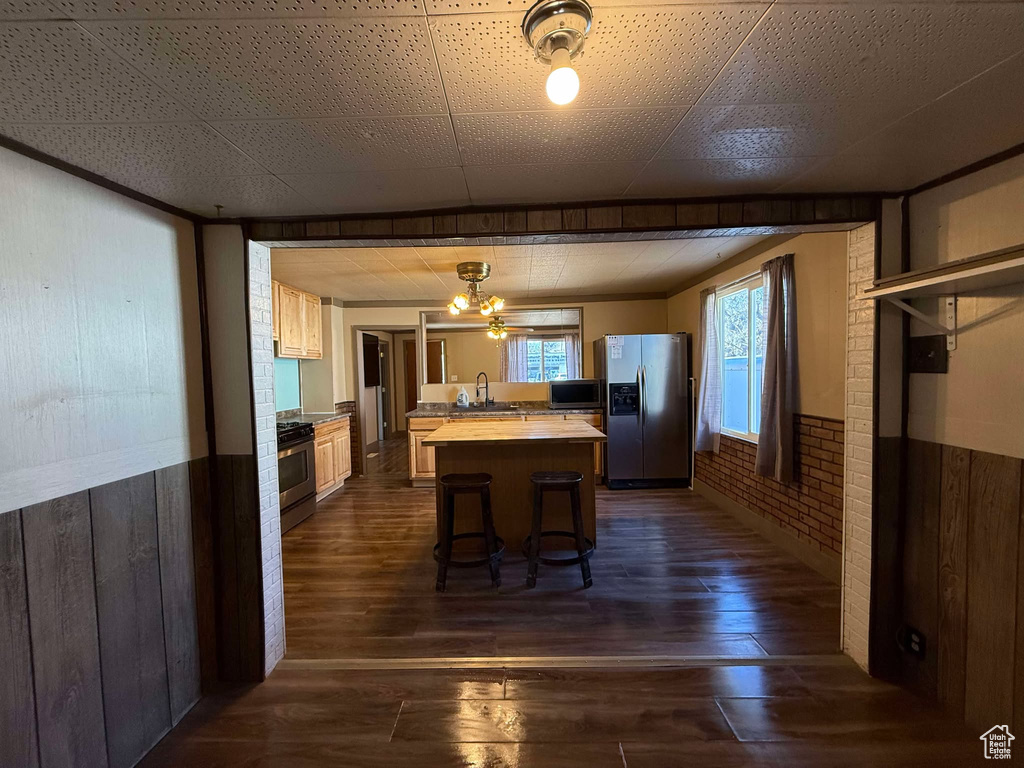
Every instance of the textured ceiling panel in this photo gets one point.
(564, 137)
(633, 58)
(517, 271)
(548, 183)
(55, 72)
(150, 149)
(266, 69)
(346, 144)
(239, 195)
(370, 191)
(771, 130)
(926, 143)
(899, 54)
(695, 178)
(27, 9)
(234, 9)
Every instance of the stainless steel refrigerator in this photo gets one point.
(648, 409)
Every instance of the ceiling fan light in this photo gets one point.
(563, 83)
(461, 301)
(503, 333)
(453, 309)
(497, 303)
(485, 307)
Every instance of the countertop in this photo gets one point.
(312, 418)
(525, 408)
(512, 432)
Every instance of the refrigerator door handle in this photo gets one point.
(640, 395)
(643, 394)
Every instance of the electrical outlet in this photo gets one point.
(454, 378)
(912, 641)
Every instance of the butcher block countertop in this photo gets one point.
(513, 432)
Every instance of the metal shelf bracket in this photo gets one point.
(948, 329)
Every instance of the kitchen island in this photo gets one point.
(510, 451)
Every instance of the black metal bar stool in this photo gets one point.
(451, 486)
(557, 481)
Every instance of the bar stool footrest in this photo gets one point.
(495, 558)
(575, 560)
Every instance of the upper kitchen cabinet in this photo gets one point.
(297, 318)
(275, 308)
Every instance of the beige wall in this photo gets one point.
(820, 271)
(400, 377)
(99, 330)
(978, 403)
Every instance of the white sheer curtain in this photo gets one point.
(709, 407)
(572, 356)
(775, 438)
(512, 358)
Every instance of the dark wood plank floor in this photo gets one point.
(673, 576)
(791, 715)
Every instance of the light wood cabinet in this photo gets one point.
(297, 322)
(421, 457)
(324, 448)
(333, 447)
(275, 308)
(293, 324)
(311, 319)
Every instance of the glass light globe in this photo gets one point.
(563, 83)
(462, 301)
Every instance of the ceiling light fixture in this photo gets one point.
(556, 30)
(496, 329)
(474, 273)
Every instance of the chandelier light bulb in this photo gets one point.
(461, 301)
(497, 304)
(563, 83)
(485, 307)
(503, 333)
(453, 309)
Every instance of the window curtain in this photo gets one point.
(512, 358)
(572, 355)
(775, 439)
(709, 407)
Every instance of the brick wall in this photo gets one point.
(266, 452)
(860, 339)
(811, 508)
(349, 407)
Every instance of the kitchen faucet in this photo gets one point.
(487, 389)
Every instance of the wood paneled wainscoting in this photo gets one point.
(99, 627)
(962, 567)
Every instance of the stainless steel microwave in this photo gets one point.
(575, 393)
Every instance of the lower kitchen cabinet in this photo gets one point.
(332, 445)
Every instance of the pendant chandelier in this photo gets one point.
(496, 328)
(474, 273)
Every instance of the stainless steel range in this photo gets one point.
(296, 472)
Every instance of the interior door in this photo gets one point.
(435, 361)
(664, 380)
(625, 449)
(409, 355)
(384, 349)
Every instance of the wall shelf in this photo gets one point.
(976, 273)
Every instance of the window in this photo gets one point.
(546, 359)
(741, 324)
